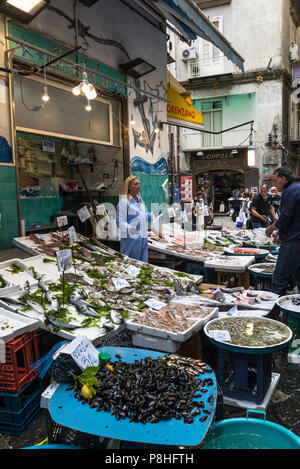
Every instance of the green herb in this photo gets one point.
(15, 269)
(2, 282)
(34, 272)
(88, 378)
(46, 260)
(183, 274)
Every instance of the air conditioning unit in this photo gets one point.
(189, 54)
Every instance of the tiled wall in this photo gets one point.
(151, 190)
(36, 210)
(9, 226)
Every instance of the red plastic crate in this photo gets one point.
(20, 353)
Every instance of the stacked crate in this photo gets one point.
(20, 387)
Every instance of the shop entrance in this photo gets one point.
(219, 185)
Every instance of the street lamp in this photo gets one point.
(251, 150)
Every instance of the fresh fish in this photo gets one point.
(41, 285)
(83, 307)
(11, 301)
(52, 300)
(116, 317)
(8, 308)
(107, 324)
(57, 323)
(218, 296)
(177, 285)
(35, 306)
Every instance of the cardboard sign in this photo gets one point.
(62, 221)
(155, 304)
(120, 283)
(224, 335)
(133, 271)
(64, 259)
(82, 351)
(83, 214)
(72, 235)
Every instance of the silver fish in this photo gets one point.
(52, 300)
(8, 308)
(41, 285)
(11, 301)
(83, 307)
(35, 306)
(57, 323)
(116, 317)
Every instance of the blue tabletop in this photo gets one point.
(66, 410)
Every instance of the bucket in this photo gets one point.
(250, 433)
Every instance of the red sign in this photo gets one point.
(186, 188)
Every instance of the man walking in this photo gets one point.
(262, 209)
(288, 226)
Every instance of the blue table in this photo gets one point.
(66, 410)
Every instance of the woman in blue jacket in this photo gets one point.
(132, 221)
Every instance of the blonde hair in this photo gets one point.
(127, 183)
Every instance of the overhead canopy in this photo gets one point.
(180, 110)
(191, 22)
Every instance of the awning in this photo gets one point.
(180, 110)
(191, 22)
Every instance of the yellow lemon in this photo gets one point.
(86, 392)
(111, 368)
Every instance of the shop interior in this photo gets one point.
(219, 186)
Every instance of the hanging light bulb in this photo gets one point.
(88, 107)
(45, 96)
(156, 130)
(251, 150)
(76, 90)
(132, 121)
(85, 87)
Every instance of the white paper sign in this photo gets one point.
(133, 271)
(171, 212)
(62, 221)
(64, 259)
(83, 214)
(120, 283)
(155, 304)
(185, 218)
(72, 234)
(83, 352)
(224, 335)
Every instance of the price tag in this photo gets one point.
(171, 212)
(133, 271)
(62, 221)
(82, 351)
(72, 234)
(120, 283)
(64, 259)
(224, 335)
(155, 304)
(185, 218)
(83, 214)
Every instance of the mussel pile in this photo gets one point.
(150, 390)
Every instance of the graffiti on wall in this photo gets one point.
(5, 151)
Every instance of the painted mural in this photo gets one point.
(147, 155)
(5, 151)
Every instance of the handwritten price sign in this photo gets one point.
(82, 351)
(83, 214)
(64, 259)
(72, 235)
(155, 304)
(120, 283)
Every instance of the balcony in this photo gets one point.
(210, 66)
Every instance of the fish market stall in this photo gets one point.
(290, 306)
(142, 416)
(245, 347)
(262, 275)
(231, 265)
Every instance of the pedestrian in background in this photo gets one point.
(275, 199)
(262, 210)
(288, 226)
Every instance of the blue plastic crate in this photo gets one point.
(244, 377)
(16, 408)
(19, 429)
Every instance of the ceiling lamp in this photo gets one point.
(45, 96)
(251, 157)
(132, 121)
(85, 87)
(88, 107)
(23, 10)
(137, 67)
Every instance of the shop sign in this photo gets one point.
(181, 111)
(48, 46)
(217, 156)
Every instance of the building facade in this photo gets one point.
(266, 34)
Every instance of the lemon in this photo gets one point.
(86, 392)
(111, 368)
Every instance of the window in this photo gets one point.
(193, 68)
(212, 121)
(211, 54)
